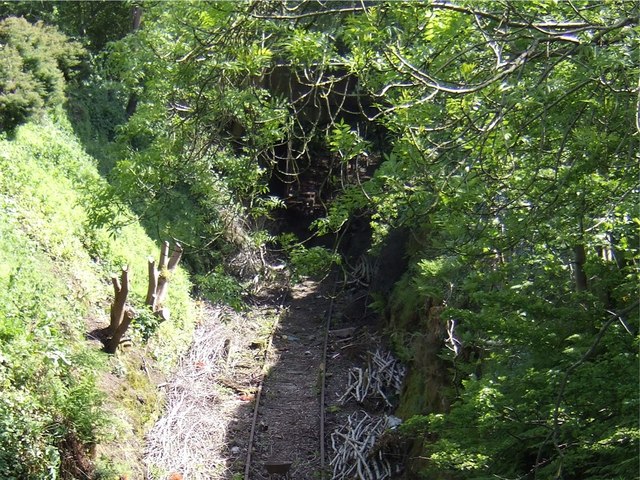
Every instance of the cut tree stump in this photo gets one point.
(114, 341)
(159, 277)
(122, 314)
(121, 291)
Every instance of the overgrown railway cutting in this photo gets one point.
(313, 368)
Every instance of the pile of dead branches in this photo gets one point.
(354, 448)
(184, 440)
(381, 378)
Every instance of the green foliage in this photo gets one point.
(314, 262)
(500, 169)
(93, 23)
(406, 301)
(54, 274)
(307, 47)
(509, 149)
(96, 109)
(532, 341)
(47, 383)
(502, 422)
(146, 323)
(35, 61)
(219, 287)
(200, 139)
(346, 142)
(436, 277)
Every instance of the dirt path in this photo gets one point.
(204, 432)
(288, 428)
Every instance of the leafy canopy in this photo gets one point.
(508, 141)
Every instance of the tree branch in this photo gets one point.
(431, 82)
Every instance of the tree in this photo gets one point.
(514, 158)
(94, 23)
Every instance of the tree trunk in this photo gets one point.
(165, 274)
(153, 283)
(114, 341)
(121, 291)
(122, 314)
(132, 105)
(136, 18)
(580, 258)
(164, 253)
(159, 278)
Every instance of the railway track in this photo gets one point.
(287, 435)
(324, 384)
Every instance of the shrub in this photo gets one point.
(312, 262)
(218, 286)
(35, 60)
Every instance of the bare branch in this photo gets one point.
(437, 4)
(299, 16)
(431, 82)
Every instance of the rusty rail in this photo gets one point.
(323, 372)
(257, 398)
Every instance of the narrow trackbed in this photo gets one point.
(267, 357)
(288, 420)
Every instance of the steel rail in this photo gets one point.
(323, 376)
(247, 466)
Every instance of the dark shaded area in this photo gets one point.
(96, 22)
(392, 261)
(75, 458)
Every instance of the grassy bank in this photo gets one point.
(64, 401)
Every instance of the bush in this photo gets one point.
(217, 286)
(314, 262)
(35, 60)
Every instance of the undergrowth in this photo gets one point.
(54, 287)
